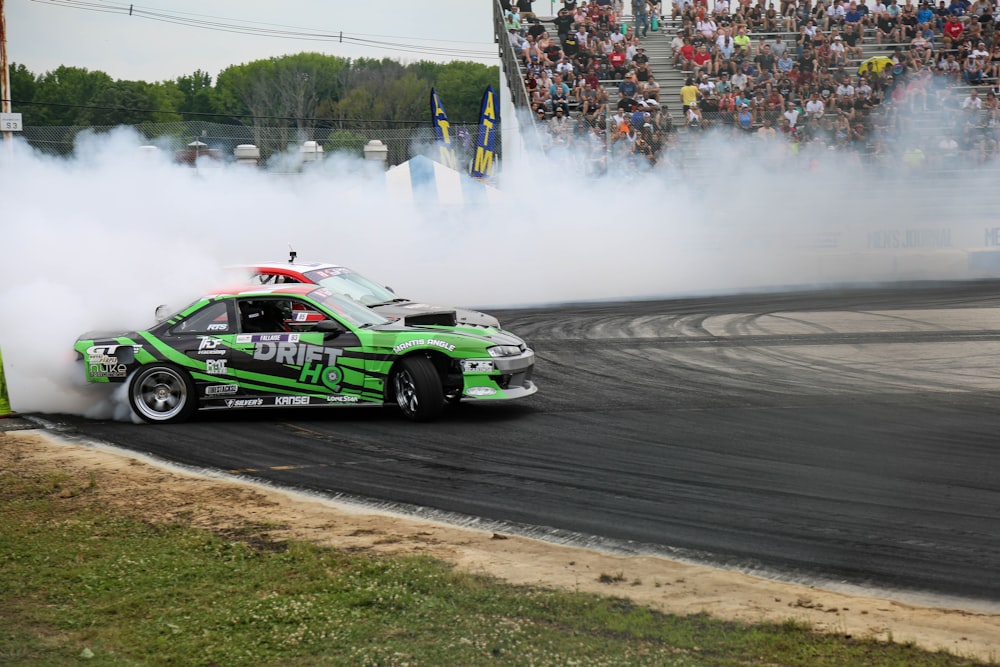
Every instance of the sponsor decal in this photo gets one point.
(112, 370)
(216, 366)
(341, 399)
(328, 273)
(317, 364)
(210, 346)
(221, 389)
(221, 326)
(482, 165)
(477, 365)
(244, 402)
(101, 351)
(442, 131)
(909, 238)
(291, 400)
(102, 362)
(268, 338)
(418, 342)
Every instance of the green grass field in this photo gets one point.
(81, 584)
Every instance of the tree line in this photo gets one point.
(304, 90)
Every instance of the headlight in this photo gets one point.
(504, 351)
(476, 366)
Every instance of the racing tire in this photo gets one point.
(418, 389)
(162, 394)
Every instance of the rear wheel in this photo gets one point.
(162, 394)
(418, 389)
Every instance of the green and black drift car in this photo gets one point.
(303, 345)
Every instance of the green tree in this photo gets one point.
(289, 87)
(22, 85)
(135, 102)
(67, 92)
(199, 97)
(461, 86)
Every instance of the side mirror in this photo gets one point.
(162, 312)
(330, 328)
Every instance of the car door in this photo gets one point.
(205, 338)
(282, 353)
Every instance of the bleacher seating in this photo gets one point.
(657, 47)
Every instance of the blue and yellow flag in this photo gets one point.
(482, 165)
(442, 132)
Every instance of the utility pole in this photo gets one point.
(4, 71)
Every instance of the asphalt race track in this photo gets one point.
(848, 435)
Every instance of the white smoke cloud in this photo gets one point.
(99, 240)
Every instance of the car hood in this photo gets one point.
(106, 335)
(488, 335)
(423, 313)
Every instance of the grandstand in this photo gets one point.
(938, 131)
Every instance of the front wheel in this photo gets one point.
(418, 389)
(162, 394)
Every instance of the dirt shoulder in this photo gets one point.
(171, 494)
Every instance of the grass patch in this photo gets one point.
(82, 584)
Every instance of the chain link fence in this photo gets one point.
(403, 141)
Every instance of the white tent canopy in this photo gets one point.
(423, 180)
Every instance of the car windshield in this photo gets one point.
(344, 281)
(346, 308)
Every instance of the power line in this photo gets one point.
(259, 29)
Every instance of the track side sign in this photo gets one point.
(10, 122)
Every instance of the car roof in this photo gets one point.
(295, 266)
(295, 289)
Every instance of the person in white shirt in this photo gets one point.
(834, 15)
(792, 116)
(863, 90)
(973, 101)
(844, 89)
(739, 80)
(517, 41)
(815, 107)
(676, 43)
(838, 53)
(707, 28)
(981, 53)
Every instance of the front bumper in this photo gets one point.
(511, 378)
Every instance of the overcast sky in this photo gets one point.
(44, 34)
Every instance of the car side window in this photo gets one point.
(274, 279)
(264, 315)
(262, 278)
(212, 319)
(303, 317)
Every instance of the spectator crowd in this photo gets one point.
(795, 72)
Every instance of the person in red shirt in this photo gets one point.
(953, 30)
(686, 54)
(617, 61)
(702, 60)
